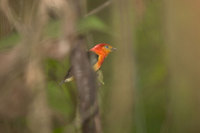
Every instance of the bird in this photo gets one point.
(96, 55)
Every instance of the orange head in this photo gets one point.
(102, 49)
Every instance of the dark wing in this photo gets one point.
(93, 58)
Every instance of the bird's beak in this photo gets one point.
(113, 49)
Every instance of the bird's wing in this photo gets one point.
(93, 58)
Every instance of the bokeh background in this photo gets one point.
(152, 81)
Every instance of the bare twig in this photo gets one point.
(98, 9)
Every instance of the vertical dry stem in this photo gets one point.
(183, 30)
(121, 100)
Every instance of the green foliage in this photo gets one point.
(92, 23)
(58, 130)
(9, 41)
(59, 99)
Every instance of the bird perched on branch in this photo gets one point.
(96, 56)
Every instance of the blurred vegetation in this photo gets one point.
(152, 96)
(152, 71)
(152, 82)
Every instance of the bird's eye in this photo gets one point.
(106, 46)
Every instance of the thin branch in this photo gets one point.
(98, 9)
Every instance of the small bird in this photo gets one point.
(96, 56)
